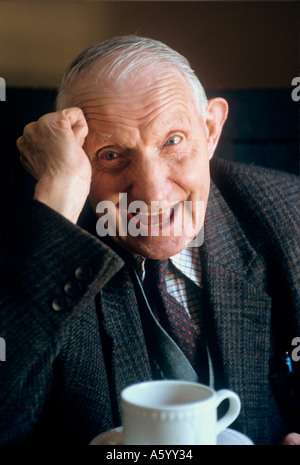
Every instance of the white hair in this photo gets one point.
(123, 57)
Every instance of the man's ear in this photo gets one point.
(216, 114)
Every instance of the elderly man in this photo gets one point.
(83, 315)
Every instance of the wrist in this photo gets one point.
(66, 195)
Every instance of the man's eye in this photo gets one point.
(173, 140)
(109, 155)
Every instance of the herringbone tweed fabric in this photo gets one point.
(74, 339)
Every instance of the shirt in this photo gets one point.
(184, 271)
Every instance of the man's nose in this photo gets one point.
(150, 180)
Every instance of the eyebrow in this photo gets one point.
(169, 122)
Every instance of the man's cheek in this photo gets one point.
(193, 175)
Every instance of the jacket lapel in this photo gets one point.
(124, 345)
(238, 312)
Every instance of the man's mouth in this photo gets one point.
(156, 216)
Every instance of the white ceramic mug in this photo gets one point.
(174, 412)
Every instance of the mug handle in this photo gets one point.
(233, 411)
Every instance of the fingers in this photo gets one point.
(68, 119)
(26, 149)
(292, 439)
(53, 142)
(27, 131)
(78, 123)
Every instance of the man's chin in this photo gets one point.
(156, 248)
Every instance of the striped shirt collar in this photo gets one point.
(187, 262)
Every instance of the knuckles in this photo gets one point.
(46, 143)
(62, 119)
(291, 439)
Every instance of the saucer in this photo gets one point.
(228, 437)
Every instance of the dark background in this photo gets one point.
(246, 52)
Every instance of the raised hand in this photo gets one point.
(51, 150)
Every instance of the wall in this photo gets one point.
(230, 44)
(245, 51)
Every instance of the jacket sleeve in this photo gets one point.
(48, 266)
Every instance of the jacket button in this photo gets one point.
(83, 273)
(59, 303)
(72, 288)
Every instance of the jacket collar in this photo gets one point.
(225, 243)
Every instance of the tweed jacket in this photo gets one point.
(71, 320)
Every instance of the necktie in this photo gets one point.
(173, 317)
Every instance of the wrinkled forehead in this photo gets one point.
(136, 104)
(101, 84)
